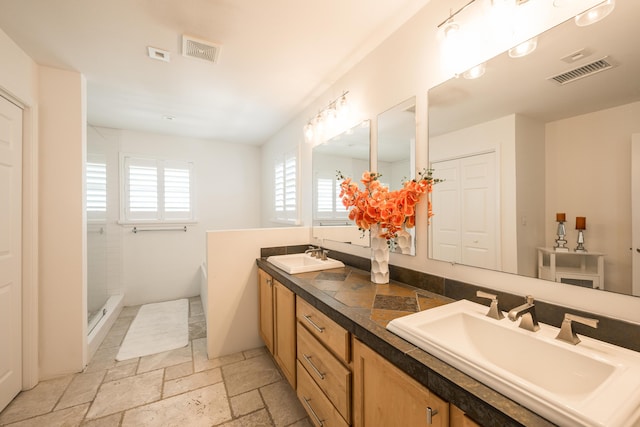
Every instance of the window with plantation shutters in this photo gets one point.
(156, 190)
(286, 189)
(96, 181)
(328, 202)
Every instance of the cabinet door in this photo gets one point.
(459, 419)
(265, 284)
(383, 395)
(285, 331)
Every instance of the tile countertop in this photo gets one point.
(363, 308)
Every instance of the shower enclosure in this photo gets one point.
(96, 205)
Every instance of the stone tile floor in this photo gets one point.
(176, 388)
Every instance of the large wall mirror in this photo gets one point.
(396, 156)
(349, 154)
(536, 136)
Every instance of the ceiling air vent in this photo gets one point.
(201, 49)
(584, 71)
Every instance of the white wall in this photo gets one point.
(407, 64)
(62, 238)
(596, 147)
(164, 265)
(530, 192)
(232, 300)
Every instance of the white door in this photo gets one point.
(464, 226)
(10, 251)
(478, 219)
(445, 224)
(635, 213)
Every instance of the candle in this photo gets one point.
(561, 217)
(581, 223)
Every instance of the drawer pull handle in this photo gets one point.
(318, 328)
(316, 370)
(313, 413)
(430, 414)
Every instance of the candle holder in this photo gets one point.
(561, 241)
(580, 247)
(581, 225)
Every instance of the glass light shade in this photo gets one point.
(595, 14)
(342, 107)
(524, 49)
(448, 29)
(308, 132)
(475, 72)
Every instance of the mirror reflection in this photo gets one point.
(396, 156)
(348, 153)
(538, 137)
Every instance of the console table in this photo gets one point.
(574, 268)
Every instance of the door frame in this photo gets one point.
(30, 316)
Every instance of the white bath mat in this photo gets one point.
(157, 327)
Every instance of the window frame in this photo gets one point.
(160, 215)
(281, 213)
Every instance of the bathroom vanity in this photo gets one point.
(349, 368)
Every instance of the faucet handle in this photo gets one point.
(323, 254)
(567, 334)
(494, 311)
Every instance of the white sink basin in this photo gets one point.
(302, 263)
(590, 384)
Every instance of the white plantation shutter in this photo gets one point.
(325, 192)
(177, 192)
(290, 177)
(96, 187)
(328, 202)
(286, 189)
(157, 190)
(279, 189)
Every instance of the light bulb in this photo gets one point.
(595, 14)
(524, 49)
(308, 132)
(342, 107)
(475, 72)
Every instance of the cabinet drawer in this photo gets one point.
(321, 411)
(335, 337)
(333, 378)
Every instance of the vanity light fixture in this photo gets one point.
(524, 49)
(475, 72)
(595, 14)
(326, 119)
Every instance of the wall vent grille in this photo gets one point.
(200, 49)
(583, 71)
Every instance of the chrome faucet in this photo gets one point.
(314, 252)
(567, 334)
(494, 311)
(527, 312)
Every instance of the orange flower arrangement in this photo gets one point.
(392, 210)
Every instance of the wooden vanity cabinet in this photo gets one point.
(324, 374)
(383, 395)
(265, 306)
(278, 323)
(457, 418)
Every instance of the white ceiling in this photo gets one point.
(521, 85)
(276, 57)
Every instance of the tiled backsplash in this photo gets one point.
(614, 331)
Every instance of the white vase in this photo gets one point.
(379, 257)
(404, 242)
